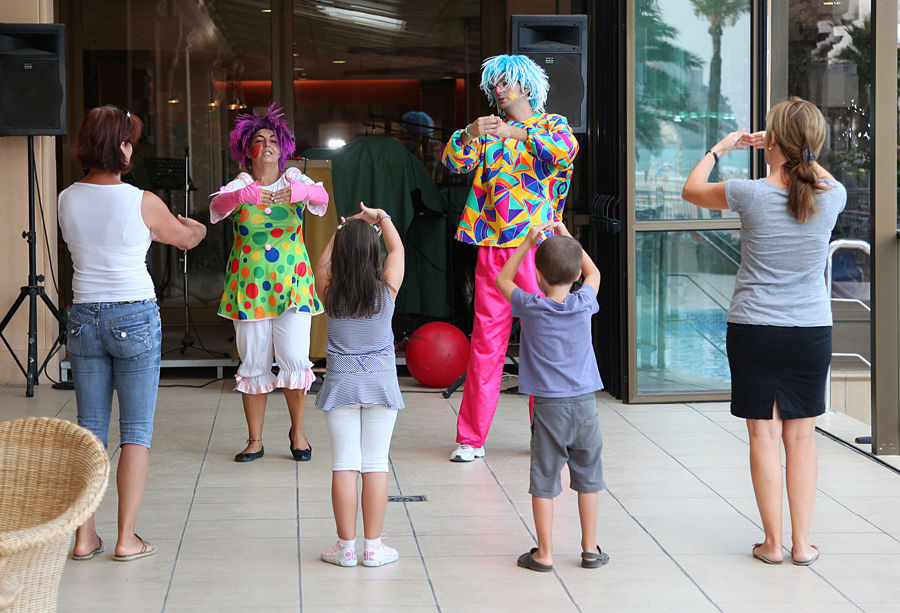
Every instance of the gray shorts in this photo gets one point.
(566, 431)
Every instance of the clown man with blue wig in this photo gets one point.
(269, 286)
(523, 160)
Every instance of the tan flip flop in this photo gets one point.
(806, 562)
(143, 553)
(89, 556)
(763, 558)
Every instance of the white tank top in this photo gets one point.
(108, 240)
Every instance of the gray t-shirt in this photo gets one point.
(556, 357)
(781, 280)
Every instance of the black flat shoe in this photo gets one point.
(249, 457)
(300, 455)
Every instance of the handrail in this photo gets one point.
(841, 243)
(724, 307)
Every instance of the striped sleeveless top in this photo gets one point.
(361, 365)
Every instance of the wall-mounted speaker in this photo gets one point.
(558, 44)
(32, 79)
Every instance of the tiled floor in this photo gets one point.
(678, 519)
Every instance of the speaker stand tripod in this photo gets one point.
(32, 291)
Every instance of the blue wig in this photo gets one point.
(519, 69)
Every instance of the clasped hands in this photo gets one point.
(490, 125)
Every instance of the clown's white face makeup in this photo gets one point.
(264, 147)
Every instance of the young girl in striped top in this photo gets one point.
(360, 395)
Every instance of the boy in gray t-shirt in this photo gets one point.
(558, 367)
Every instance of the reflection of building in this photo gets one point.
(187, 68)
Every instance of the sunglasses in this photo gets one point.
(124, 110)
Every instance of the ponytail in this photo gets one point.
(798, 128)
(803, 184)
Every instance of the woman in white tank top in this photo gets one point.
(113, 328)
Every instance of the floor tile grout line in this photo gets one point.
(65, 404)
(415, 537)
(818, 489)
(299, 543)
(522, 519)
(664, 550)
(725, 500)
(187, 517)
(530, 533)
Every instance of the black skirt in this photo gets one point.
(769, 362)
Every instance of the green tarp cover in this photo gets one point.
(380, 172)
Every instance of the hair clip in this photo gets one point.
(371, 225)
(808, 155)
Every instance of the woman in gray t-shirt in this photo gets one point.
(779, 321)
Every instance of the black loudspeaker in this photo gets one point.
(32, 79)
(558, 44)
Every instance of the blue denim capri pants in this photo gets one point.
(116, 345)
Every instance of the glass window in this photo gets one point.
(685, 281)
(692, 86)
(830, 64)
(179, 66)
(359, 69)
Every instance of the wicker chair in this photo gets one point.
(53, 475)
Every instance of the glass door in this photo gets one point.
(693, 82)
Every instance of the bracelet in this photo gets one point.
(466, 130)
(385, 216)
(715, 156)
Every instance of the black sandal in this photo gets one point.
(526, 560)
(589, 559)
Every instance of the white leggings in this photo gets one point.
(361, 437)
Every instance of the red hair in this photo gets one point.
(103, 130)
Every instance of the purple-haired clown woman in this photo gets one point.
(269, 287)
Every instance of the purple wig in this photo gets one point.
(249, 124)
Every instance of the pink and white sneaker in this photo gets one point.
(379, 555)
(340, 555)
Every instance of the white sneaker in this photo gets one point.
(379, 555)
(466, 453)
(339, 555)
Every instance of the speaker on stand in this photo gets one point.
(32, 103)
(558, 44)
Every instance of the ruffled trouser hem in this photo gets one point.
(265, 383)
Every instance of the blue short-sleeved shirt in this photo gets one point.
(556, 357)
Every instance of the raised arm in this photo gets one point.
(241, 190)
(395, 262)
(182, 232)
(463, 151)
(589, 270)
(696, 189)
(554, 143)
(505, 281)
(323, 268)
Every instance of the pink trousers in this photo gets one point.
(490, 338)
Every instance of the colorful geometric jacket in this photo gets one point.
(518, 183)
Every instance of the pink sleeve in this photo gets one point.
(318, 199)
(231, 196)
(303, 189)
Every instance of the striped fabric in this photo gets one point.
(361, 365)
(517, 183)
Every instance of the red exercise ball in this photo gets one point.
(437, 354)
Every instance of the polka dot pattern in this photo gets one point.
(268, 270)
